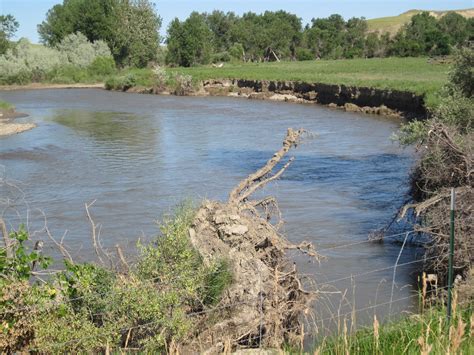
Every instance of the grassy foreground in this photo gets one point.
(417, 75)
(428, 333)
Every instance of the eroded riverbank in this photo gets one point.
(392, 103)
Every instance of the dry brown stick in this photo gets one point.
(420, 207)
(94, 231)
(6, 239)
(292, 139)
(60, 245)
(121, 257)
(252, 188)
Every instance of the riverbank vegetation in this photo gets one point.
(74, 59)
(446, 145)
(90, 307)
(4, 105)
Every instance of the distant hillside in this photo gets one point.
(393, 23)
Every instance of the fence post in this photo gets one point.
(451, 255)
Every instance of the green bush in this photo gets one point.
(221, 57)
(462, 74)
(122, 83)
(304, 54)
(4, 105)
(102, 66)
(87, 307)
(236, 51)
(20, 266)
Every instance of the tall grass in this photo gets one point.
(428, 333)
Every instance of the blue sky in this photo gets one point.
(32, 12)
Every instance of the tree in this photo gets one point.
(356, 29)
(220, 24)
(189, 42)
(326, 36)
(129, 27)
(462, 74)
(423, 30)
(455, 27)
(372, 45)
(8, 27)
(135, 40)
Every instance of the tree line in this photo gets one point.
(219, 36)
(131, 30)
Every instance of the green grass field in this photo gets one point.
(411, 74)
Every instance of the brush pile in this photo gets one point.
(447, 162)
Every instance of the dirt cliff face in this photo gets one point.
(406, 103)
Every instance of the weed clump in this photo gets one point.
(88, 307)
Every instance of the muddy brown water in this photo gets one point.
(140, 155)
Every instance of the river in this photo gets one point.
(138, 156)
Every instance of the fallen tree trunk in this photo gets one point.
(266, 303)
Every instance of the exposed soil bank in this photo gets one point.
(354, 99)
(7, 127)
(392, 103)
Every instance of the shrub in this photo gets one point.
(65, 63)
(237, 51)
(63, 331)
(462, 73)
(304, 54)
(87, 307)
(16, 329)
(102, 66)
(80, 52)
(27, 61)
(183, 84)
(121, 82)
(4, 105)
(221, 57)
(21, 265)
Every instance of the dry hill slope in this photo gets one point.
(393, 23)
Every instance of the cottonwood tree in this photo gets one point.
(189, 42)
(8, 27)
(129, 27)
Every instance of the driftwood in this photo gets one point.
(266, 303)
